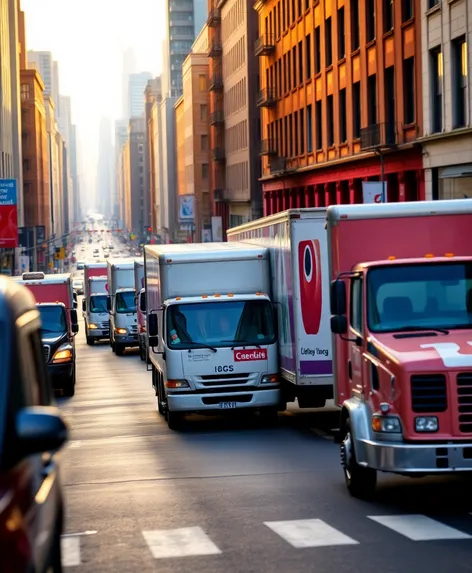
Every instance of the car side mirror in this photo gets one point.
(108, 303)
(40, 429)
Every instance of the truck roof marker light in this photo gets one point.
(449, 254)
(429, 256)
(391, 258)
(230, 294)
(168, 260)
(258, 293)
(204, 296)
(178, 298)
(343, 217)
(216, 295)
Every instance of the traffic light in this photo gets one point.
(148, 233)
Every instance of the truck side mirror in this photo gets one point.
(142, 302)
(75, 328)
(84, 305)
(337, 293)
(73, 316)
(152, 327)
(108, 303)
(339, 324)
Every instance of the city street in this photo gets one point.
(226, 495)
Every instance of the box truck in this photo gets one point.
(95, 311)
(55, 300)
(140, 306)
(401, 305)
(210, 329)
(299, 287)
(121, 305)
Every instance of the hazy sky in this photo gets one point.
(87, 38)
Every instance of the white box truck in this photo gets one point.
(94, 307)
(121, 305)
(211, 329)
(297, 243)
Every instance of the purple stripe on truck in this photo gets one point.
(316, 367)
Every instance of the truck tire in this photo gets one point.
(174, 420)
(119, 349)
(142, 353)
(270, 415)
(90, 340)
(360, 481)
(68, 388)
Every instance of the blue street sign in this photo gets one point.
(7, 191)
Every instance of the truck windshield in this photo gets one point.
(98, 303)
(419, 296)
(125, 302)
(220, 324)
(53, 319)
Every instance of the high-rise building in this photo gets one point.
(121, 137)
(74, 173)
(185, 19)
(105, 167)
(130, 66)
(49, 71)
(136, 86)
(64, 119)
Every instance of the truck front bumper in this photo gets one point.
(58, 373)
(195, 402)
(97, 333)
(410, 458)
(126, 339)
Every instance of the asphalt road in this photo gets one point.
(234, 496)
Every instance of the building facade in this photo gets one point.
(121, 136)
(153, 94)
(139, 196)
(126, 185)
(447, 89)
(136, 88)
(180, 146)
(49, 72)
(341, 100)
(55, 171)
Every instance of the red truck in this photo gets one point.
(401, 315)
(56, 303)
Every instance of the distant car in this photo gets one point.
(31, 432)
(96, 255)
(78, 286)
(80, 265)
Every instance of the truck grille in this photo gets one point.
(428, 393)
(224, 380)
(464, 401)
(104, 325)
(47, 352)
(133, 329)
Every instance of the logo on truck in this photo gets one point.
(450, 354)
(248, 355)
(309, 265)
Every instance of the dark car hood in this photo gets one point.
(52, 338)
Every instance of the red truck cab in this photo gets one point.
(401, 306)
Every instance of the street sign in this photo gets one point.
(8, 214)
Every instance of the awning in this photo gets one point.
(456, 171)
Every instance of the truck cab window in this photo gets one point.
(356, 305)
(125, 302)
(98, 303)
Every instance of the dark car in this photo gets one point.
(31, 433)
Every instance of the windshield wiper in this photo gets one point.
(201, 345)
(423, 328)
(242, 343)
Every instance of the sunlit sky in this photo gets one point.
(88, 38)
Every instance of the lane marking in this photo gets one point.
(419, 527)
(81, 534)
(184, 542)
(309, 533)
(70, 547)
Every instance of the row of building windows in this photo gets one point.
(236, 137)
(235, 18)
(237, 176)
(235, 59)
(236, 97)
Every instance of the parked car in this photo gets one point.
(31, 433)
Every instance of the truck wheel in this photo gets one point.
(90, 340)
(174, 420)
(142, 354)
(270, 415)
(68, 389)
(119, 349)
(360, 481)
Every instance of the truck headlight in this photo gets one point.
(63, 354)
(176, 384)
(386, 424)
(92, 327)
(270, 379)
(425, 424)
(121, 331)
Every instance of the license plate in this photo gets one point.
(227, 405)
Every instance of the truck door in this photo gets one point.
(356, 314)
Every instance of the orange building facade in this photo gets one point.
(340, 100)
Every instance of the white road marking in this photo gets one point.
(75, 444)
(309, 533)
(184, 542)
(70, 547)
(82, 533)
(419, 527)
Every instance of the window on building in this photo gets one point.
(390, 115)
(407, 10)
(25, 92)
(302, 132)
(26, 165)
(204, 171)
(140, 148)
(141, 180)
(141, 169)
(355, 41)
(459, 82)
(307, 4)
(289, 72)
(204, 142)
(300, 8)
(309, 128)
(342, 116)
(308, 57)
(330, 120)
(296, 134)
(370, 20)
(203, 112)
(387, 15)
(432, 3)
(202, 82)
(317, 50)
(329, 41)
(319, 124)
(436, 63)
(372, 100)
(409, 90)
(300, 62)
(341, 34)
(294, 67)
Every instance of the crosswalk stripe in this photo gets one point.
(184, 542)
(309, 533)
(70, 549)
(419, 527)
